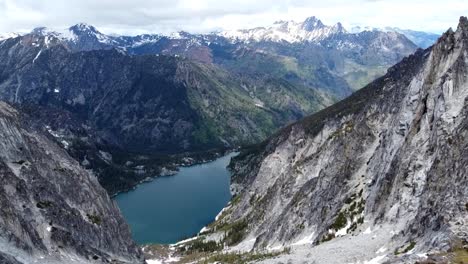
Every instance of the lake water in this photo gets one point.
(173, 208)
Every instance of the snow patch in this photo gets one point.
(305, 241)
(274, 248)
(376, 260)
(221, 213)
(184, 241)
(105, 156)
(65, 144)
(343, 231)
(37, 56)
(367, 231)
(163, 261)
(381, 250)
(204, 229)
(154, 261)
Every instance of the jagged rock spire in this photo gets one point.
(312, 23)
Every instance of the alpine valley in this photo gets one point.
(127, 107)
(328, 172)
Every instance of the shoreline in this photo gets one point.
(186, 161)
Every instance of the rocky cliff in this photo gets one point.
(381, 175)
(51, 209)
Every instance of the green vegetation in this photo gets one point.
(353, 213)
(357, 75)
(327, 237)
(459, 256)
(95, 219)
(347, 128)
(246, 109)
(20, 162)
(60, 169)
(236, 232)
(349, 200)
(340, 222)
(44, 204)
(236, 199)
(118, 175)
(407, 249)
(199, 245)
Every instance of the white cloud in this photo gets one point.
(140, 16)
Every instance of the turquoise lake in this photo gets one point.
(173, 208)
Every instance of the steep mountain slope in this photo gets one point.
(52, 210)
(376, 176)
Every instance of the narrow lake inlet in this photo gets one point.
(172, 208)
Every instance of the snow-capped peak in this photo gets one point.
(86, 31)
(312, 23)
(8, 35)
(47, 32)
(84, 28)
(312, 29)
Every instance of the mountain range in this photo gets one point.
(110, 99)
(378, 176)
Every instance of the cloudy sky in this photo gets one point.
(200, 16)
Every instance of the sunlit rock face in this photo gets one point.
(380, 173)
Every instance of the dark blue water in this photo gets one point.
(172, 208)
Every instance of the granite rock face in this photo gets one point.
(51, 209)
(379, 174)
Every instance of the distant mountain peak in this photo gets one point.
(8, 35)
(447, 42)
(39, 30)
(463, 24)
(84, 28)
(312, 23)
(311, 29)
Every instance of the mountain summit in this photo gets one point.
(81, 28)
(312, 29)
(312, 23)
